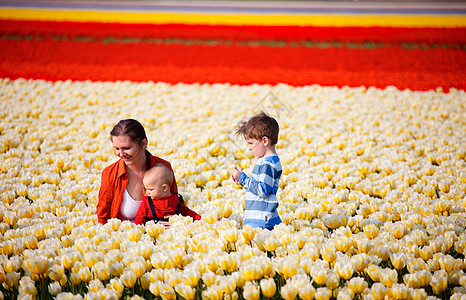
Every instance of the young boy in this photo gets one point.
(159, 202)
(261, 134)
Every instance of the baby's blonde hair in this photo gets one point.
(159, 174)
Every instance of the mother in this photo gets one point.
(121, 190)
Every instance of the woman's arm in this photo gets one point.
(106, 193)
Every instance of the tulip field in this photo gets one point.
(373, 191)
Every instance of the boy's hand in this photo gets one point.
(166, 222)
(235, 174)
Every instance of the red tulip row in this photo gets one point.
(56, 60)
(236, 33)
(25, 53)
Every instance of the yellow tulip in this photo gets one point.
(210, 217)
(228, 284)
(56, 272)
(319, 275)
(398, 260)
(185, 291)
(240, 281)
(388, 277)
(85, 274)
(363, 245)
(268, 287)
(306, 263)
(134, 234)
(333, 281)
(426, 253)
(155, 288)
(191, 277)
(128, 278)
(10, 218)
(439, 281)
(115, 223)
(289, 291)
(446, 262)
(344, 268)
(399, 291)
(398, 230)
(12, 265)
(423, 277)
(323, 293)
(227, 211)
(311, 251)
(212, 264)
(378, 291)
(38, 265)
(27, 287)
(328, 252)
(463, 281)
(2, 275)
(342, 244)
(248, 233)
(209, 278)
(138, 268)
(271, 244)
(374, 272)
(418, 294)
(249, 272)
(251, 291)
(416, 264)
(30, 242)
(266, 268)
(231, 235)
(412, 280)
(228, 263)
(75, 278)
(212, 293)
(54, 288)
(306, 291)
(116, 286)
(371, 231)
(101, 271)
(7, 247)
(159, 260)
(382, 252)
(116, 269)
(357, 285)
(288, 267)
(90, 258)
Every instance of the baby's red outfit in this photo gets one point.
(164, 207)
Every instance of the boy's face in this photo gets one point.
(258, 147)
(155, 189)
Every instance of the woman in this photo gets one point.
(121, 191)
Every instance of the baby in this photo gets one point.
(159, 202)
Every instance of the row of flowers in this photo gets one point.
(235, 64)
(372, 196)
(234, 33)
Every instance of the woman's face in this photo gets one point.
(128, 150)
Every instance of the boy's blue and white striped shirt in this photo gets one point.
(261, 190)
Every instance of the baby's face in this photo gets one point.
(154, 189)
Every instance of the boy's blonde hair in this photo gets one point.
(259, 126)
(160, 174)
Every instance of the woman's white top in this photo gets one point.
(129, 207)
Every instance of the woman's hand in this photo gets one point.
(235, 174)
